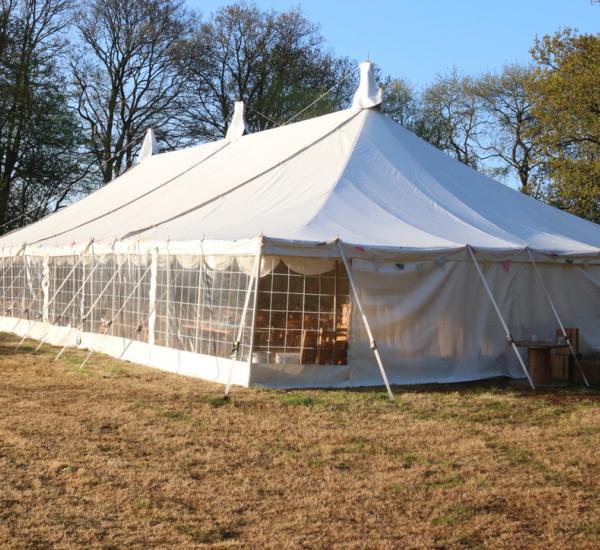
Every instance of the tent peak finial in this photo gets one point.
(237, 127)
(368, 94)
(149, 146)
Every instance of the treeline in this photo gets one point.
(80, 82)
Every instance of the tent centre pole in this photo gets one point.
(499, 313)
(560, 324)
(372, 342)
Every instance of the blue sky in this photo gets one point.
(418, 39)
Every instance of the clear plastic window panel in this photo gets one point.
(200, 304)
(303, 319)
(32, 306)
(65, 290)
(116, 299)
(16, 294)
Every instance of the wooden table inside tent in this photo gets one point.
(538, 358)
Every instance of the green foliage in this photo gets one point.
(566, 95)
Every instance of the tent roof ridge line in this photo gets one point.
(138, 197)
(341, 172)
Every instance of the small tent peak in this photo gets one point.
(368, 94)
(149, 146)
(237, 127)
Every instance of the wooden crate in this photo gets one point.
(560, 366)
(538, 363)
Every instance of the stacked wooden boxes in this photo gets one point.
(562, 365)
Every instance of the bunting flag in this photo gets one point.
(441, 263)
(506, 265)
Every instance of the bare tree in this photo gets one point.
(450, 118)
(276, 62)
(506, 105)
(125, 74)
(38, 131)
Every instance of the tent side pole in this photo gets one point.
(255, 305)
(560, 323)
(168, 300)
(46, 287)
(27, 304)
(252, 282)
(372, 342)
(83, 319)
(152, 298)
(499, 313)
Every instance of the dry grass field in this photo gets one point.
(116, 455)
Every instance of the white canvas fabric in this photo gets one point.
(354, 175)
(149, 146)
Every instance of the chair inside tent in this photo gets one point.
(333, 252)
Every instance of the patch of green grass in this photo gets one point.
(215, 400)
(80, 372)
(358, 444)
(211, 535)
(316, 462)
(294, 400)
(116, 372)
(515, 455)
(455, 514)
(141, 503)
(172, 414)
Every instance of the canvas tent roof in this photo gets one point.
(355, 175)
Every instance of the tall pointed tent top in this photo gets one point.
(149, 146)
(237, 127)
(368, 93)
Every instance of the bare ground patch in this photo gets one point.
(118, 455)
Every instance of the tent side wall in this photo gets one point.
(434, 323)
(194, 314)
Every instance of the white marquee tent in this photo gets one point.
(279, 259)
